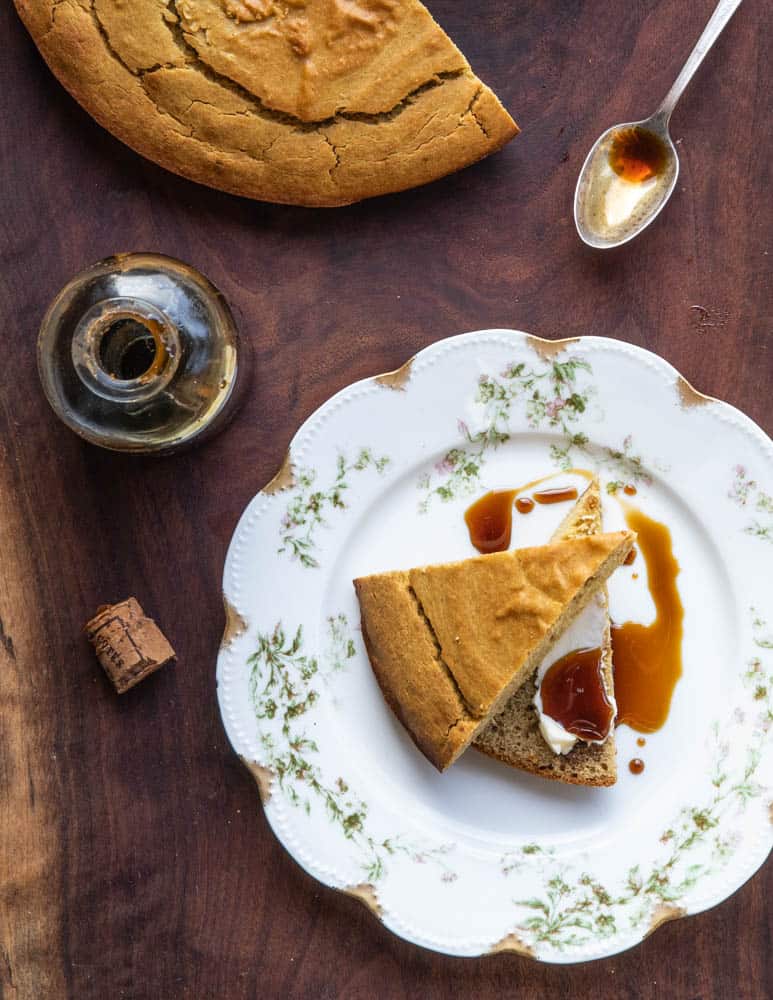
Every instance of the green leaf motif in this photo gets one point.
(308, 505)
(552, 395)
(341, 646)
(745, 492)
(281, 692)
(624, 463)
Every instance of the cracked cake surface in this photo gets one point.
(310, 102)
(449, 644)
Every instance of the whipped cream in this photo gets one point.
(587, 631)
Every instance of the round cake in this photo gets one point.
(306, 102)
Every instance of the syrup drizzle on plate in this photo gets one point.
(648, 658)
(490, 519)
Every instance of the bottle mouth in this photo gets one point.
(125, 350)
(131, 349)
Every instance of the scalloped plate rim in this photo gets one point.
(737, 416)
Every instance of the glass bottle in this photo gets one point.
(140, 353)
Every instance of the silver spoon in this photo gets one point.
(611, 206)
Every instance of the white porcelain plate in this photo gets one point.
(485, 858)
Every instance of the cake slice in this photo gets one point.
(513, 735)
(449, 644)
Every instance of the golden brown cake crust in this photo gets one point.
(507, 601)
(308, 102)
(513, 735)
(429, 706)
(450, 643)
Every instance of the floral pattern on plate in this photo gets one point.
(483, 857)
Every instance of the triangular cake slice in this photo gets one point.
(449, 644)
(321, 102)
(513, 735)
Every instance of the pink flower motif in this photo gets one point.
(554, 407)
(627, 442)
(443, 466)
(463, 429)
(448, 877)
(740, 471)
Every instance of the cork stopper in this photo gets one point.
(128, 645)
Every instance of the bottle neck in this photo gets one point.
(126, 350)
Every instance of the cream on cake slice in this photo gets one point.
(522, 734)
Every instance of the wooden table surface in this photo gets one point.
(135, 861)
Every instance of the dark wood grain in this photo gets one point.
(135, 861)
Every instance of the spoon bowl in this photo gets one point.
(627, 178)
